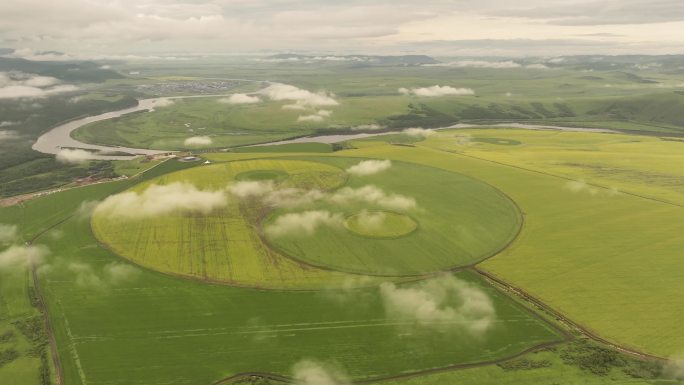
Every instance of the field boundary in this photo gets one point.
(565, 320)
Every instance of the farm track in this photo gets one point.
(565, 320)
(54, 353)
(285, 379)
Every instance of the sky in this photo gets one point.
(437, 27)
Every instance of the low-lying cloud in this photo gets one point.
(17, 85)
(308, 372)
(371, 220)
(113, 274)
(159, 200)
(418, 132)
(368, 127)
(198, 141)
(318, 116)
(17, 256)
(437, 91)
(369, 167)
(443, 303)
(245, 189)
(301, 98)
(67, 155)
(8, 233)
(240, 99)
(304, 223)
(373, 195)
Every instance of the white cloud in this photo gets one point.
(198, 141)
(112, 274)
(245, 189)
(66, 155)
(537, 66)
(307, 372)
(478, 64)
(367, 127)
(319, 116)
(372, 195)
(418, 132)
(8, 233)
(436, 90)
(8, 134)
(302, 98)
(159, 200)
(21, 256)
(240, 99)
(304, 223)
(163, 102)
(444, 303)
(6, 123)
(369, 167)
(17, 85)
(370, 220)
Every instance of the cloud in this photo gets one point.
(368, 127)
(198, 141)
(245, 189)
(370, 221)
(7, 135)
(418, 132)
(66, 155)
(293, 197)
(443, 303)
(478, 64)
(316, 117)
(8, 233)
(22, 255)
(302, 98)
(580, 186)
(158, 200)
(164, 102)
(674, 369)
(436, 91)
(240, 99)
(17, 85)
(304, 223)
(372, 195)
(369, 167)
(6, 123)
(537, 66)
(308, 372)
(112, 274)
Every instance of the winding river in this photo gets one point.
(59, 137)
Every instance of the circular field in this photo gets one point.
(380, 224)
(314, 224)
(455, 221)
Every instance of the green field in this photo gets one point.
(607, 258)
(116, 322)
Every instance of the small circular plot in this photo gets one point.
(380, 224)
(262, 175)
(498, 141)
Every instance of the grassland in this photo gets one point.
(607, 259)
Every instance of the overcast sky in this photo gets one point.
(437, 27)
